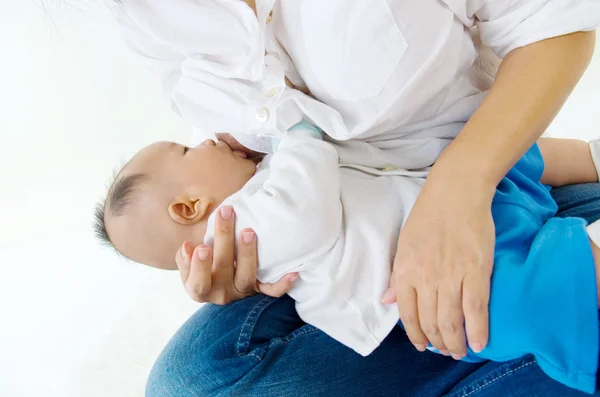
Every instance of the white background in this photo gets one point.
(77, 321)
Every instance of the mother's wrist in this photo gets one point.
(461, 181)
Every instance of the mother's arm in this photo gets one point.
(531, 86)
(442, 277)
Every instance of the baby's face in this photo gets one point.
(208, 173)
(210, 169)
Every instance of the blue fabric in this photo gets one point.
(305, 126)
(543, 294)
(302, 127)
(259, 347)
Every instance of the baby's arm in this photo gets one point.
(567, 162)
(295, 210)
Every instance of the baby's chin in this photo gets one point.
(145, 257)
(162, 265)
(235, 145)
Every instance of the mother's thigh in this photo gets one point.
(517, 378)
(260, 347)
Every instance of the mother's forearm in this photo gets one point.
(531, 86)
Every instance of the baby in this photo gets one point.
(337, 226)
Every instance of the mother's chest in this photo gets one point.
(358, 50)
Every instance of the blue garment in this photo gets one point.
(543, 293)
(303, 127)
(259, 347)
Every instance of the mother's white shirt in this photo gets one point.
(377, 70)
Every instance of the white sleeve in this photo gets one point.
(508, 24)
(207, 53)
(296, 212)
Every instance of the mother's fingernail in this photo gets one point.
(226, 212)
(184, 252)
(457, 356)
(294, 277)
(387, 296)
(477, 347)
(421, 348)
(248, 237)
(202, 253)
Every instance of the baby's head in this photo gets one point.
(165, 195)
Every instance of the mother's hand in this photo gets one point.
(212, 277)
(443, 267)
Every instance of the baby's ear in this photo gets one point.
(188, 210)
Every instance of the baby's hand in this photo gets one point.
(213, 278)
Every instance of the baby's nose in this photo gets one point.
(208, 142)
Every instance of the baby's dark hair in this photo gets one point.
(117, 200)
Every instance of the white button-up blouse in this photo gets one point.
(376, 70)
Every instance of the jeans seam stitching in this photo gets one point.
(293, 335)
(487, 383)
(255, 356)
(248, 323)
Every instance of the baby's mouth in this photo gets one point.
(243, 155)
(238, 147)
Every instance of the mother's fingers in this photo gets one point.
(183, 260)
(427, 301)
(409, 315)
(389, 296)
(476, 294)
(224, 247)
(279, 288)
(450, 319)
(244, 280)
(199, 283)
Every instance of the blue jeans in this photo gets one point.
(259, 347)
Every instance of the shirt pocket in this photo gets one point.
(353, 47)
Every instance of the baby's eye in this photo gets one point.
(185, 149)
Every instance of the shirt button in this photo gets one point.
(270, 17)
(272, 93)
(262, 115)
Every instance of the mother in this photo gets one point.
(376, 70)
